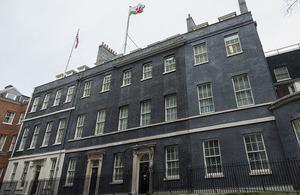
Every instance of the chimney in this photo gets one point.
(190, 23)
(104, 54)
(243, 6)
(8, 86)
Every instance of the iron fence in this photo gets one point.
(282, 176)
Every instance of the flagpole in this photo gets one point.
(71, 52)
(125, 45)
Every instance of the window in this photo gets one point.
(147, 71)
(205, 97)
(171, 107)
(47, 134)
(57, 98)
(242, 89)
(170, 64)
(233, 45)
(11, 96)
(296, 125)
(21, 118)
(71, 171)
(46, 101)
(2, 141)
(282, 73)
(24, 174)
(13, 173)
(60, 131)
(51, 172)
(70, 94)
(200, 53)
(126, 77)
(9, 117)
(123, 118)
(172, 162)
(106, 83)
(118, 167)
(24, 138)
(87, 89)
(146, 113)
(212, 158)
(35, 136)
(256, 153)
(13, 142)
(100, 122)
(79, 126)
(35, 104)
(1, 171)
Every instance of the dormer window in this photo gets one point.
(282, 73)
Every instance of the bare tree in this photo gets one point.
(291, 6)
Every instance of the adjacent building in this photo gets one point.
(194, 113)
(12, 111)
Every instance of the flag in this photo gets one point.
(77, 41)
(137, 9)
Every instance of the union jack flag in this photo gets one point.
(77, 41)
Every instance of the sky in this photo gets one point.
(37, 36)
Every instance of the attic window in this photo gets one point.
(11, 96)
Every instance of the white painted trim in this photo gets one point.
(177, 133)
(174, 121)
(37, 155)
(52, 113)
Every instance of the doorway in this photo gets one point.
(36, 180)
(144, 178)
(94, 175)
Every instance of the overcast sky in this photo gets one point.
(36, 36)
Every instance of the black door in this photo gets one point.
(93, 181)
(35, 181)
(144, 178)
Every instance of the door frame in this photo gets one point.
(88, 174)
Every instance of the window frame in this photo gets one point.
(106, 83)
(14, 171)
(24, 139)
(280, 74)
(243, 90)
(229, 38)
(212, 156)
(12, 143)
(123, 118)
(261, 163)
(127, 77)
(35, 104)
(21, 118)
(79, 126)
(202, 52)
(87, 89)
(57, 97)
(168, 162)
(169, 67)
(209, 96)
(100, 122)
(70, 93)
(170, 108)
(118, 170)
(60, 131)
(71, 172)
(3, 139)
(147, 71)
(46, 101)
(47, 134)
(35, 136)
(23, 175)
(297, 129)
(145, 113)
(9, 117)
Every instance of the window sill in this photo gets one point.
(172, 178)
(125, 85)
(30, 148)
(146, 79)
(214, 175)
(6, 123)
(104, 91)
(54, 105)
(68, 185)
(201, 63)
(43, 109)
(67, 102)
(283, 80)
(234, 54)
(43, 146)
(169, 71)
(245, 106)
(56, 144)
(84, 97)
(261, 172)
(20, 150)
(116, 182)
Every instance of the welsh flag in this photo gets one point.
(137, 9)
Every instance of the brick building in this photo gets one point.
(12, 110)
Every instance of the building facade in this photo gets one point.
(174, 115)
(12, 111)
